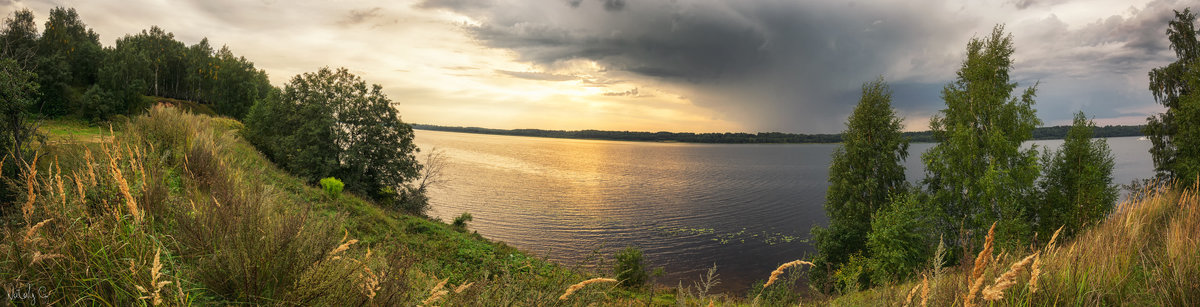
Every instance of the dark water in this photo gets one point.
(746, 208)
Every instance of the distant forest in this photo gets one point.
(1041, 133)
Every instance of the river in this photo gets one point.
(744, 207)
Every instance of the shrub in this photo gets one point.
(629, 268)
(332, 186)
(899, 241)
(460, 222)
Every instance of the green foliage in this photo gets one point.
(98, 104)
(630, 271)
(332, 186)
(329, 123)
(19, 38)
(460, 222)
(17, 89)
(978, 173)
(69, 55)
(900, 240)
(854, 275)
(866, 171)
(1176, 132)
(1077, 187)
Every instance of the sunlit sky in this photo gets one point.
(684, 65)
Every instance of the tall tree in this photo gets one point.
(1077, 187)
(867, 170)
(330, 123)
(17, 89)
(240, 84)
(978, 173)
(70, 56)
(1175, 134)
(18, 39)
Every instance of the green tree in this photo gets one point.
(1175, 134)
(17, 90)
(329, 123)
(237, 84)
(978, 173)
(70, 56)
(1077, 187)
(19, 38)
(867, 170)
(124, 76)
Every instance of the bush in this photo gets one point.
(899, 241)
(332, 186)
(460, 222)
(631, 273)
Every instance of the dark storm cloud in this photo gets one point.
(773, 66)
(540, 76)
(1099, 67)
(798, 66)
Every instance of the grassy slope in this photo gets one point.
(205, 212)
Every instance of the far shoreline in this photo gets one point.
(1040, 133)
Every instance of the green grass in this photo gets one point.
(66, 130)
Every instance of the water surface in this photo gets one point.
(746, 208)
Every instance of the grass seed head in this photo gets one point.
(779, 271)
(580, 285)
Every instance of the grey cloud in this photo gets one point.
(772, 66)
(798, 66)
(456, 5)
(1025, 4)
(540, 76)
(355, 17)
(574, 3)
(629, 93)
(614, 5)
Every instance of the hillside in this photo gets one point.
(177, 209)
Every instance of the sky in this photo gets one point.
(672, 65)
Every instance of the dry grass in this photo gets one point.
(1146, 253)
(981, 264)
(1006, 280)
(571, 290)
(779, 271)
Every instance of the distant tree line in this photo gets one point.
(978, 176)
(1042, 133)
(323, 124)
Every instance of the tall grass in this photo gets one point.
(1145, 253)
(111, 230)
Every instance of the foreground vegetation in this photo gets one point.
(1144, 254)
(177, 209)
